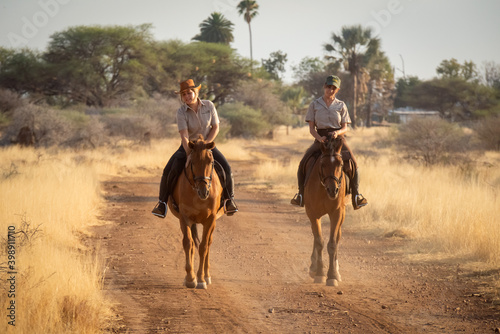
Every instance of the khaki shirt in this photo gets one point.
(197, 123)
(328, 117)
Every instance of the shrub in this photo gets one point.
(9, 100)
(245, 121)
(45, 125)
(488, 132)
(432, 141)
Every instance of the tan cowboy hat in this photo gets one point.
(188, 84)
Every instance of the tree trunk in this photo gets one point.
(354, 101)
(251, 52)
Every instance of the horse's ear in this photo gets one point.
(210, 145)
(191, 144)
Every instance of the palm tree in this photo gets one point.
(215, 29)
(354, 47)
(248, 9)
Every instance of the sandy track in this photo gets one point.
(260, 259)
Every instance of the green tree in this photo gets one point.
(215, 29)
(275, 64)
(455, 98)
(22, 71)
(381, 91)
(453, 69)
(404, 89)
(248, 8)
(98, 65)
(352, 48)
(217, 67)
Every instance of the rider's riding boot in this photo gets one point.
(230, 207)
(161, 208)
(298, 199)
(358, 201)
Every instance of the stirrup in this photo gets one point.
(362, 202)
(297, 200)
(158, 212)
(232, 211)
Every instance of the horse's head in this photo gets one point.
(330, 168)
(202, 166)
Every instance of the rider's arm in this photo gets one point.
(342, 130)
(185, 140)
(314, 133)
(213, 133)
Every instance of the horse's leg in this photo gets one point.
(206, 241)
(316, 269)
(208, 277)
(336, 220)
(188, 243)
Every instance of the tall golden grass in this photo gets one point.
(453, 210)
(48, 198)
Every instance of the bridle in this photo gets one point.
(198, 179)
(323, 178)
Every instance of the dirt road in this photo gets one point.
(260, 283)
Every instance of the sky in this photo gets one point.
(416, 35)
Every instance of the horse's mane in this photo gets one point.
(333, 145)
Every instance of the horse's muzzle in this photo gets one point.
(333, 192)
(203, 191)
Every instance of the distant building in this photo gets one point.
(403, 116)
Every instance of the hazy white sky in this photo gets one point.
(421, 33)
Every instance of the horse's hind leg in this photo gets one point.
(316, 269)
(189, 247)
(333, 277)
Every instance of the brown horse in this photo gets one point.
(324, 193)
(198, 196)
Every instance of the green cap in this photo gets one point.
(333, 80)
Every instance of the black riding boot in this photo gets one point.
(161, 208)
(229, 204)
(298, 199)
(358, 201)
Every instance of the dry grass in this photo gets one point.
(453, 208)
(48, 198)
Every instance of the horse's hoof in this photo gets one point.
(190, 285)
(208, 279)
(319, 279)
(332, 282)
(201, 285)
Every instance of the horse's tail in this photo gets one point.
(194, 234)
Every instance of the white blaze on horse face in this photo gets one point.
(332, 159)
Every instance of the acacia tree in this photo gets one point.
(215, 29)
(248, 8)
(352, 48)
(97, 65)
(275, 64)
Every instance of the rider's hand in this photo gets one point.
(322, 139)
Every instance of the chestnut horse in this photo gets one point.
(324, 193)
(198, 196)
